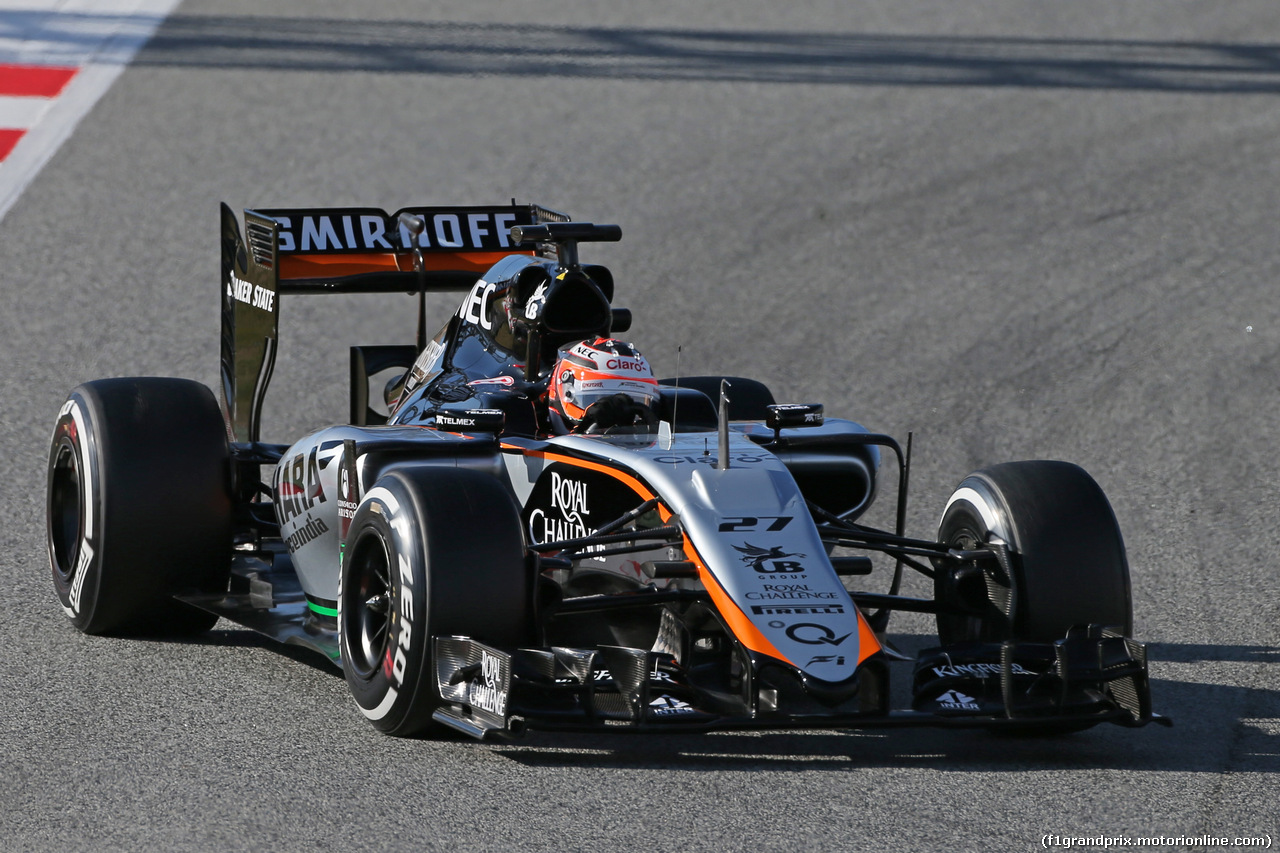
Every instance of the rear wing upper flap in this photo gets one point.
(368, 250)
(342, 250)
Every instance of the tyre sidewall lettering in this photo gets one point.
(78, 590)
(452, 547)
(386, 695)
(403, 604)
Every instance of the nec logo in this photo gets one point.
(474, 309)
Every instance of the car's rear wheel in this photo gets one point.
(139, 505)
(1067, 558)
(431, 551)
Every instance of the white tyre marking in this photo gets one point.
(384, 707)
(77, 580)
(380, 493)
(86, 472)
(980, 504)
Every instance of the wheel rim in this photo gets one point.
(366, 606)
(65, 512)
(969, 627)
(965, 536)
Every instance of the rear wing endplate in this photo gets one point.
(342, 250)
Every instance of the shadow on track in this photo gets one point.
(1215, 742)
(524, 50)
(242, 638)
(1216, 725)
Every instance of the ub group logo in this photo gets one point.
(775, 557)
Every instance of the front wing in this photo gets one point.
(1089, 677)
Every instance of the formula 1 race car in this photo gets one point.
(521, 527)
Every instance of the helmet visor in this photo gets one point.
(588, 391)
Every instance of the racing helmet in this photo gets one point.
(598, 371)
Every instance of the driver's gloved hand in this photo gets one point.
(617, 412)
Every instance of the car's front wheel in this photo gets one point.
(430, 552)
(1067, 558)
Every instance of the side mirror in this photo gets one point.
(791, 415)
(621, 320)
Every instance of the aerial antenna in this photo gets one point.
(675, 404)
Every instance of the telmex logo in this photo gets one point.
(371, 230)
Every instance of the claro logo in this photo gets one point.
(626, 364)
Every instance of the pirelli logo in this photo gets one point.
(368, 229)
(796, 610)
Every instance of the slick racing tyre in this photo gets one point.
(1067, 558)
(139, 506)
(431, 552)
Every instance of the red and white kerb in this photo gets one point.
(26, 91)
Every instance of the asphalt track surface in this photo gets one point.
(1016, 229)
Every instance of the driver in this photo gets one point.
(602, 385)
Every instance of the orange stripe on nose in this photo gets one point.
(868, 645)
(741, 626)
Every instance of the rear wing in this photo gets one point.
(343, 250)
